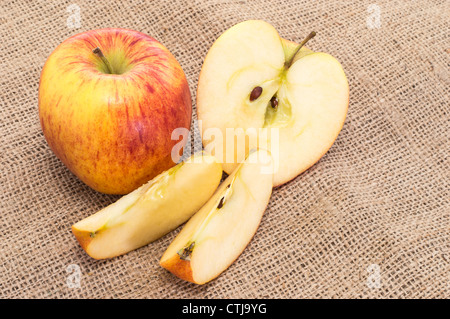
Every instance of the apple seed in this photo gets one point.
(222, 200)
(256, 92)
(274, 102)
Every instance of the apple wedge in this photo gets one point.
(218, 233)
(150, 211)
(253, 80)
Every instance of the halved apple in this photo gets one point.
(253, 79)
(215, 236)
(150, 211)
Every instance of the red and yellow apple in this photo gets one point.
(108, 102)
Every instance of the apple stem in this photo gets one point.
(309, 37)
(99, 53)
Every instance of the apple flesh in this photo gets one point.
(150, 211)
(311, 94)
(218, 233)
(110, 119)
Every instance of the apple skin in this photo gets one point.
(180, 268)
(113, 131)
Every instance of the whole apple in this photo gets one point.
(108, 102)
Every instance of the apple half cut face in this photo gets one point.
(218, 233)
(252, 79)
(152, 210)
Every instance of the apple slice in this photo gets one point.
(150, 211)
(253, 79)
(215, 236)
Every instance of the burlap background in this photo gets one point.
(379, 196)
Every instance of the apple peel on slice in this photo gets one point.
(302, 94)
(219, 232)
(152, 210)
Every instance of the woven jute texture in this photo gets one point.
(369, 220)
